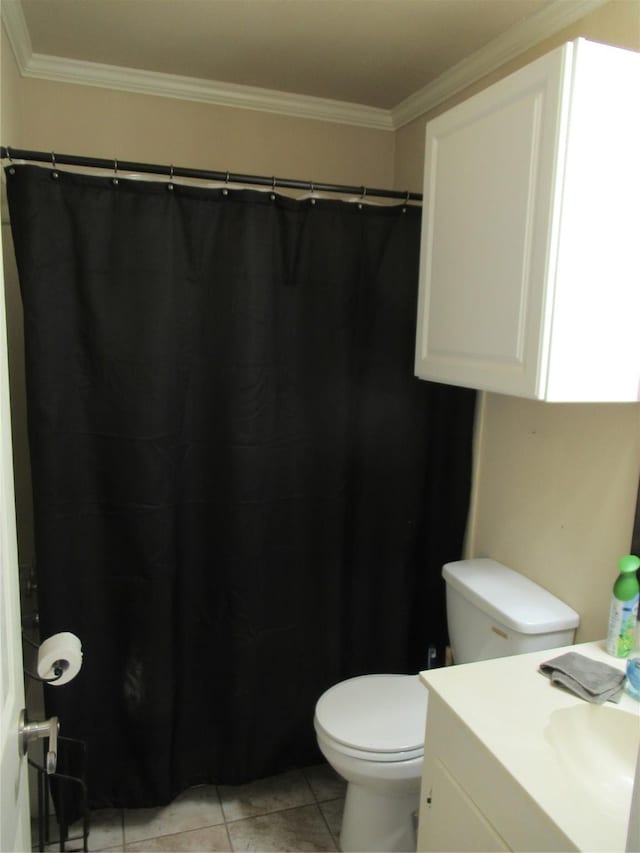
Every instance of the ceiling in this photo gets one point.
(374, 53)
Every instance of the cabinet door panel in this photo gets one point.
(489, 182)
(468, 203)
(452, 821)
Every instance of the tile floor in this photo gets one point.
(296, 811)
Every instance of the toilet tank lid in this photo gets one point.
(511, 598)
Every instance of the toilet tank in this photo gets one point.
(494, 611)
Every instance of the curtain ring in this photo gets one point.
(12, 170)
(273, 189)
(170, 184)
(225, 190)
(406, 203)
(114, 180)
(54, 173)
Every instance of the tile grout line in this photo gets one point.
(180, 832)
(329, 830)
(315, 800)
(271, 813)
(322, 814)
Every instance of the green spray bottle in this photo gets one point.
(624, 608)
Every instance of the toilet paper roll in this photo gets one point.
(60, 652)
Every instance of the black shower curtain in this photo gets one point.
(242, 495)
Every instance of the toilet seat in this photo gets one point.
(375, 717)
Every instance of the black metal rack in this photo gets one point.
(66, 785)
(69, 786)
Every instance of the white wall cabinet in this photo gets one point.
(530, 261)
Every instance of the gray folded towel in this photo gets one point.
(590, 679)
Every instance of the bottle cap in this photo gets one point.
(629, 563)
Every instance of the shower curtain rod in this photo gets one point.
(116, 166)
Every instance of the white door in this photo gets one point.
(14, 797)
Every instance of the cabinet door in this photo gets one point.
(483, 318)
(451, 821)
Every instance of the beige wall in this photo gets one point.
(10, 129)
(8, 103)
(103, 123)
(555, 495)
(555, 485)
(616, 23)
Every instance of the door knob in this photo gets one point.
(34, 731)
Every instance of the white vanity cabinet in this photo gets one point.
(512, 762)
(451, 820)
(468, 801)
(530, 253)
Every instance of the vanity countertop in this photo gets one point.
(534, 730)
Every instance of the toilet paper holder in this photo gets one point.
(28, 732)
(58, 667)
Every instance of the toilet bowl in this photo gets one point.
(371, 730)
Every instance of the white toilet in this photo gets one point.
(371, 728)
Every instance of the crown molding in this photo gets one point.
(515, 41)
(17, 31)
(135, 80)
(63, 70)
(500, 50)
